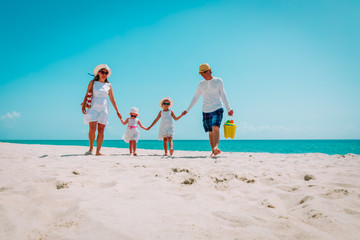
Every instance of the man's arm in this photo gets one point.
(195, 98)
(224, 98)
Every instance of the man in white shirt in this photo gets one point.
(212, 91)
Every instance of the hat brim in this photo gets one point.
(166, 98)
(204, 70)
(102, 66)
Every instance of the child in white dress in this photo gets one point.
(132, 133)
(166, 130)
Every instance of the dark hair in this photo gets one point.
(96, 78)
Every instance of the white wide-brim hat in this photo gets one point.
(134, 110)
(166, 98)
(101, 66)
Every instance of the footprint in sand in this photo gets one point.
(314, 214)
(61, 185)
(267, 203)
(186, 176)
(140, 166)
(244, 179)
(234, 219)
(222, 181)
(109, 184)
(2, 189)
(351, 212)
(337, 193)
(305, 199)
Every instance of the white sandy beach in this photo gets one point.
(55, 192)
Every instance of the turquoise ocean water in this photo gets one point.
(270, 146)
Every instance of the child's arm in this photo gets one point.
(175, 117)
(155, 121)
(124, 122)
(142, 126)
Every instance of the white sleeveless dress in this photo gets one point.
(167, 128)
(132, 131)
(99, 111)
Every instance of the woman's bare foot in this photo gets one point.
(99, 154)
(165, 154)
(171, 152)
(135, 154)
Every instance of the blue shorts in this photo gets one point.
(212, 119)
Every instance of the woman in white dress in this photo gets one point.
(97, 115)
(166, 130)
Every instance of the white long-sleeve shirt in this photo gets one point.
(212, 91)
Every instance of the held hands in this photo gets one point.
(119, 115)
(183, 113)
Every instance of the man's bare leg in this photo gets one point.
(216, 139)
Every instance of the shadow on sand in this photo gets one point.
(74, 155)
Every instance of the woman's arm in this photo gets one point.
(155, 121)
(175, 117)
(90, 86)
(112, 100)
(142, 126)
(124, 122)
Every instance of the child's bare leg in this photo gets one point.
(131, 146)
(165, 145)
(171, 145)
(134, 148)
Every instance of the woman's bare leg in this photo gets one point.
(92, 131)
(100, 138)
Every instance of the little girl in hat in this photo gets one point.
(132, 133)
(166, 130)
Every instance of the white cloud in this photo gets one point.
(12, 115)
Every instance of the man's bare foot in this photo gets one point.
(216, 151)
(171, 151)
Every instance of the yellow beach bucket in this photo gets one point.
(229, 129)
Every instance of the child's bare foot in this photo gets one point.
(88, 153)
(171, 152)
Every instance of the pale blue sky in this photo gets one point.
(290, 68)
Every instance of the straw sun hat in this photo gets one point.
(204, 67)
(101, 66)
(168, 99)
